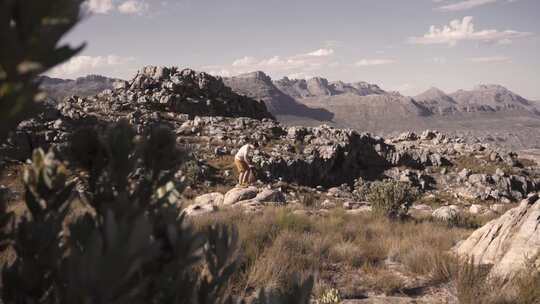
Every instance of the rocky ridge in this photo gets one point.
(258, 85)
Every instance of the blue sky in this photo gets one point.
(405, 45)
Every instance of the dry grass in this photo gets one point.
(383, 281)
(278, 244)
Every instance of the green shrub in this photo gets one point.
(391, 198)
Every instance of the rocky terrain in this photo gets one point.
(320, 171)
(490, 113)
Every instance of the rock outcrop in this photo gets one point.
(259, 86)
(508, 242)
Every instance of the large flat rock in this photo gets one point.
(509, 241)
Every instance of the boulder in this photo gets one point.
(507, 242)
(268, 195)
(477, 209)
(200, 209)
(214, 198)
(236, 195)
(446, 213)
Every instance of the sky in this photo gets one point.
(402, 45)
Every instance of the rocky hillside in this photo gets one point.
(490, 98)
(318, 87)
(438, 102)
(59, 89)
(259, 86)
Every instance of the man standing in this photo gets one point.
(242, 159)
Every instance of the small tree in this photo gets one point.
(391, 198)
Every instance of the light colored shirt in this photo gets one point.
(244, 153)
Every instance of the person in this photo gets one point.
(242, 159)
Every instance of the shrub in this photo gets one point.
(391, 198)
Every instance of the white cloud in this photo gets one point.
(133, 7)
(490, 59)
(374, 62)
(297, 66)
(310, 60)
(463, 30)
(464, 5)
(245, 61)
(467, 4)
(299, 75)
(80, 65)
(99, 6)
(321, 52)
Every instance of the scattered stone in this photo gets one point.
(268, 195)
(236, 195)
(446, 213)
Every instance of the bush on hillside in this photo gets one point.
(391, 198)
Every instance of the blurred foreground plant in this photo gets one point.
(133, 245)
(30, 31)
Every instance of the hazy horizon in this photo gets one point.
(408, 47)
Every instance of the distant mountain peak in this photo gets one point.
(490, 87)
(494, 96)
(436, 90)
(258, 75)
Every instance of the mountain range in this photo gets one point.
(59, 89)
(489, 112)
